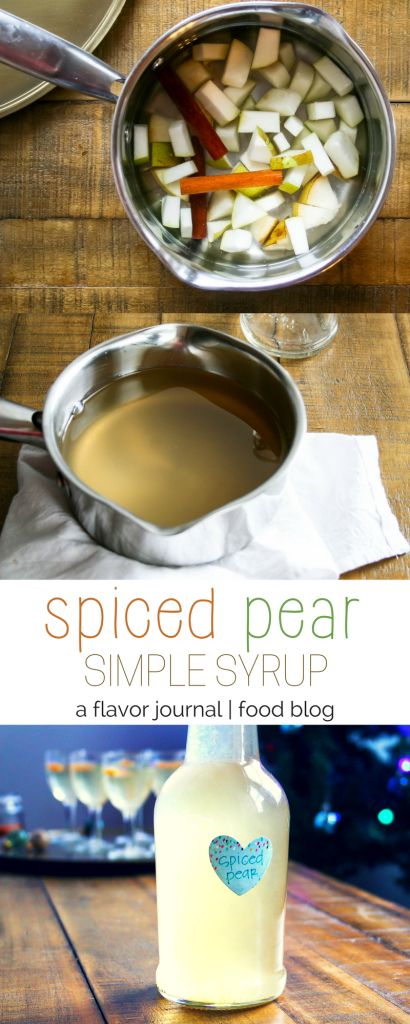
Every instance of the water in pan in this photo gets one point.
(170, 445)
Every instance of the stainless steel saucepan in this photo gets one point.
(221, 531)
(32, 49)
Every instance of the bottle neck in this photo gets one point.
(222, 743)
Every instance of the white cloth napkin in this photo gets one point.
(334, 516)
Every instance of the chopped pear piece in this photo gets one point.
(171, 211)
(283, 101)
(249, 104)
(293, 125)
(334, 75)
(292, 158)
(310, 172)
(230, 137)
(298, 141)
(351, 132)
(260, 147)
(216, 103)
(252, 191)
(141, 144)
(313, 216)
(180, 139)
(277, 75)
(236, 241)
(297, 234)
(162, 155)
(319, 192)
(303, 76)
(268, 120)
(271, 202)
(278, 237)
(221, 205)
(342, 150)
(287, 55)
(216, 228)
(253, 165)
(267, 47)
(158, 128)
(263, 227)
(319, 154)
(183, 170)
(322, 128)
(223, 164)
(245, 211)
(238, 64)
(192, 73)
(321, 110)
(210, 51)
(173, 188)
(293, 180)
(238, 96)
(281, 143)
(186, 222)
(349, 110)
(319, 90)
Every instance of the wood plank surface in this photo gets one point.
(41, 981)
(86, 950)
(68, 247)
(338, 968)
(359, 385)
(379, 920)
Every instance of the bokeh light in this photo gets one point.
(386, 816)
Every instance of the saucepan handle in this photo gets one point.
(30, 48)
(19, 423)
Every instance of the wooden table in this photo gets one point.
(359, 385)
(85, 951)
(68, 247)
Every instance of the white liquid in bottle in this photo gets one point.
(217, 948)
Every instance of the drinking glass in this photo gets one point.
(87, 781)
(292, 336)
(58, 779)
(128, 781)
(164, 763)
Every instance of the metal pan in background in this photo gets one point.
(30, 48)
(221, 531)
(84, 24)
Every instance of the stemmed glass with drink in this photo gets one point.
(125, 779)
(128, 780)
(164, 764)
(57, 770)
(87, 781)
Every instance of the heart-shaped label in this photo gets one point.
(240, 868)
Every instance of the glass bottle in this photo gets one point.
(221, 903)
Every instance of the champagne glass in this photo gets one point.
(128, 782)
(58, 779)
(87, 781)
(164, 764)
